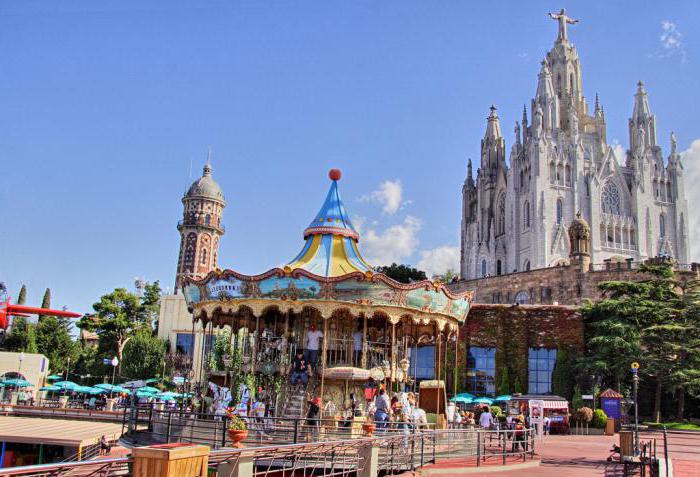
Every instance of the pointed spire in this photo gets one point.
(597, 104)
(493, 128)
(524, 116)
(469, 169)
(641, 103)
(545, 88)
(207, 166)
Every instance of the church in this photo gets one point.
(516, 215)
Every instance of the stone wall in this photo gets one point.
(566, 284)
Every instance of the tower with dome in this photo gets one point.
(516, 215)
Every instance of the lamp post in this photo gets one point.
(115, 362)
(19, 368)
(635, 382)
(68, 369)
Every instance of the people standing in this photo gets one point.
(486, 419)
(313, 415)
(357, 338)
(382, 409)
(313, 344)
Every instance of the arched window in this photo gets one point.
(522, 298)
(568, 175)
(483, 268)
(526, 265)
(611, 199)
(560, 211)
(526, 215)
(669, 196)
(498, 267)
(611, 234)
(662, 225)
(633, 240)
(560, 174)
(204, 257)
(587, 184)
(501, 229)
(207, 219)
(552, 172)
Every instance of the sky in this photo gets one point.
(107, 110)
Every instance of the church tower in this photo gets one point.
(200, 228)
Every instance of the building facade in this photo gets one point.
(516, 215)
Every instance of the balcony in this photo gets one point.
(200, 223)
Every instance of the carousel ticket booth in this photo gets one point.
(358, 328)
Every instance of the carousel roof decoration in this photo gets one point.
(331, 240)
(328, 274)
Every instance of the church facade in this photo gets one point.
(516, 215)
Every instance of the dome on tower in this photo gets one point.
(205, 187)
(579, 228)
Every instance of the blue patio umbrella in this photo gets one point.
(466, 395)
(50, 388)
(66, 385)
(483, 400)
(503, 397)
(55, 377)
(461, 399)
(17, 382)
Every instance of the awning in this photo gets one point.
(556, 405)
(59, 432)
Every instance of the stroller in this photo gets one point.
(615, 451)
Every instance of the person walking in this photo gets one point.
(299, 370)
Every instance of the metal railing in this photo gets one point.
(94, 468)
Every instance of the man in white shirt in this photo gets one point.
(313, 343)
(486, 419)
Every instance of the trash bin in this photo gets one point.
(610, 427)
(626, 444)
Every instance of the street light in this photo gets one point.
(115, 362)
(635, 382)
(19, 368)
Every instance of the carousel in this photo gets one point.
(372, 326)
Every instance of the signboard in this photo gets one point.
(587, 397)
(536, 407)
(178, 380)
(611, 407)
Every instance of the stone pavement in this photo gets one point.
(571, 456)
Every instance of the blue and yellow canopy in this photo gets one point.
(331, 241)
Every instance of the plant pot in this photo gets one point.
(369, 429)
(236, 436)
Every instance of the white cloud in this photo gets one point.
(691, 162)
(671, 41)
(388, 195)
(393, 244)
(619, 152)
(438, 260)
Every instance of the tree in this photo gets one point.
(144, 356)
(517, 386)
(504, 383)
(117, 315)
(651, 321)
(577, 399)
(563, 375)
(53, 340)
(448, 277)
(22, 297)
(45, 302)
(22, 336)
(402, 273)
(150, 302)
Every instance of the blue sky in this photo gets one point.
(107, 109)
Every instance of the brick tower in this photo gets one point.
(200, 228)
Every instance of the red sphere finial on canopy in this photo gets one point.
(334, 174)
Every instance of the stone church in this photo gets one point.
(516, 215)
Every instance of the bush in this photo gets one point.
(599, 419)
(496, 410)
(584, 415)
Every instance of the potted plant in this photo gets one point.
(368, 428)
(237, 430)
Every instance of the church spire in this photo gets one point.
(493, 127)
(642, 124)
(546, 98)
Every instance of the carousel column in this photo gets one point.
(364, 341)
(438, 334)
(323, 356)
(393, 356)
(256, 334)
(455, 373)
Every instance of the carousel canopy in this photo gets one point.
(329, 274)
